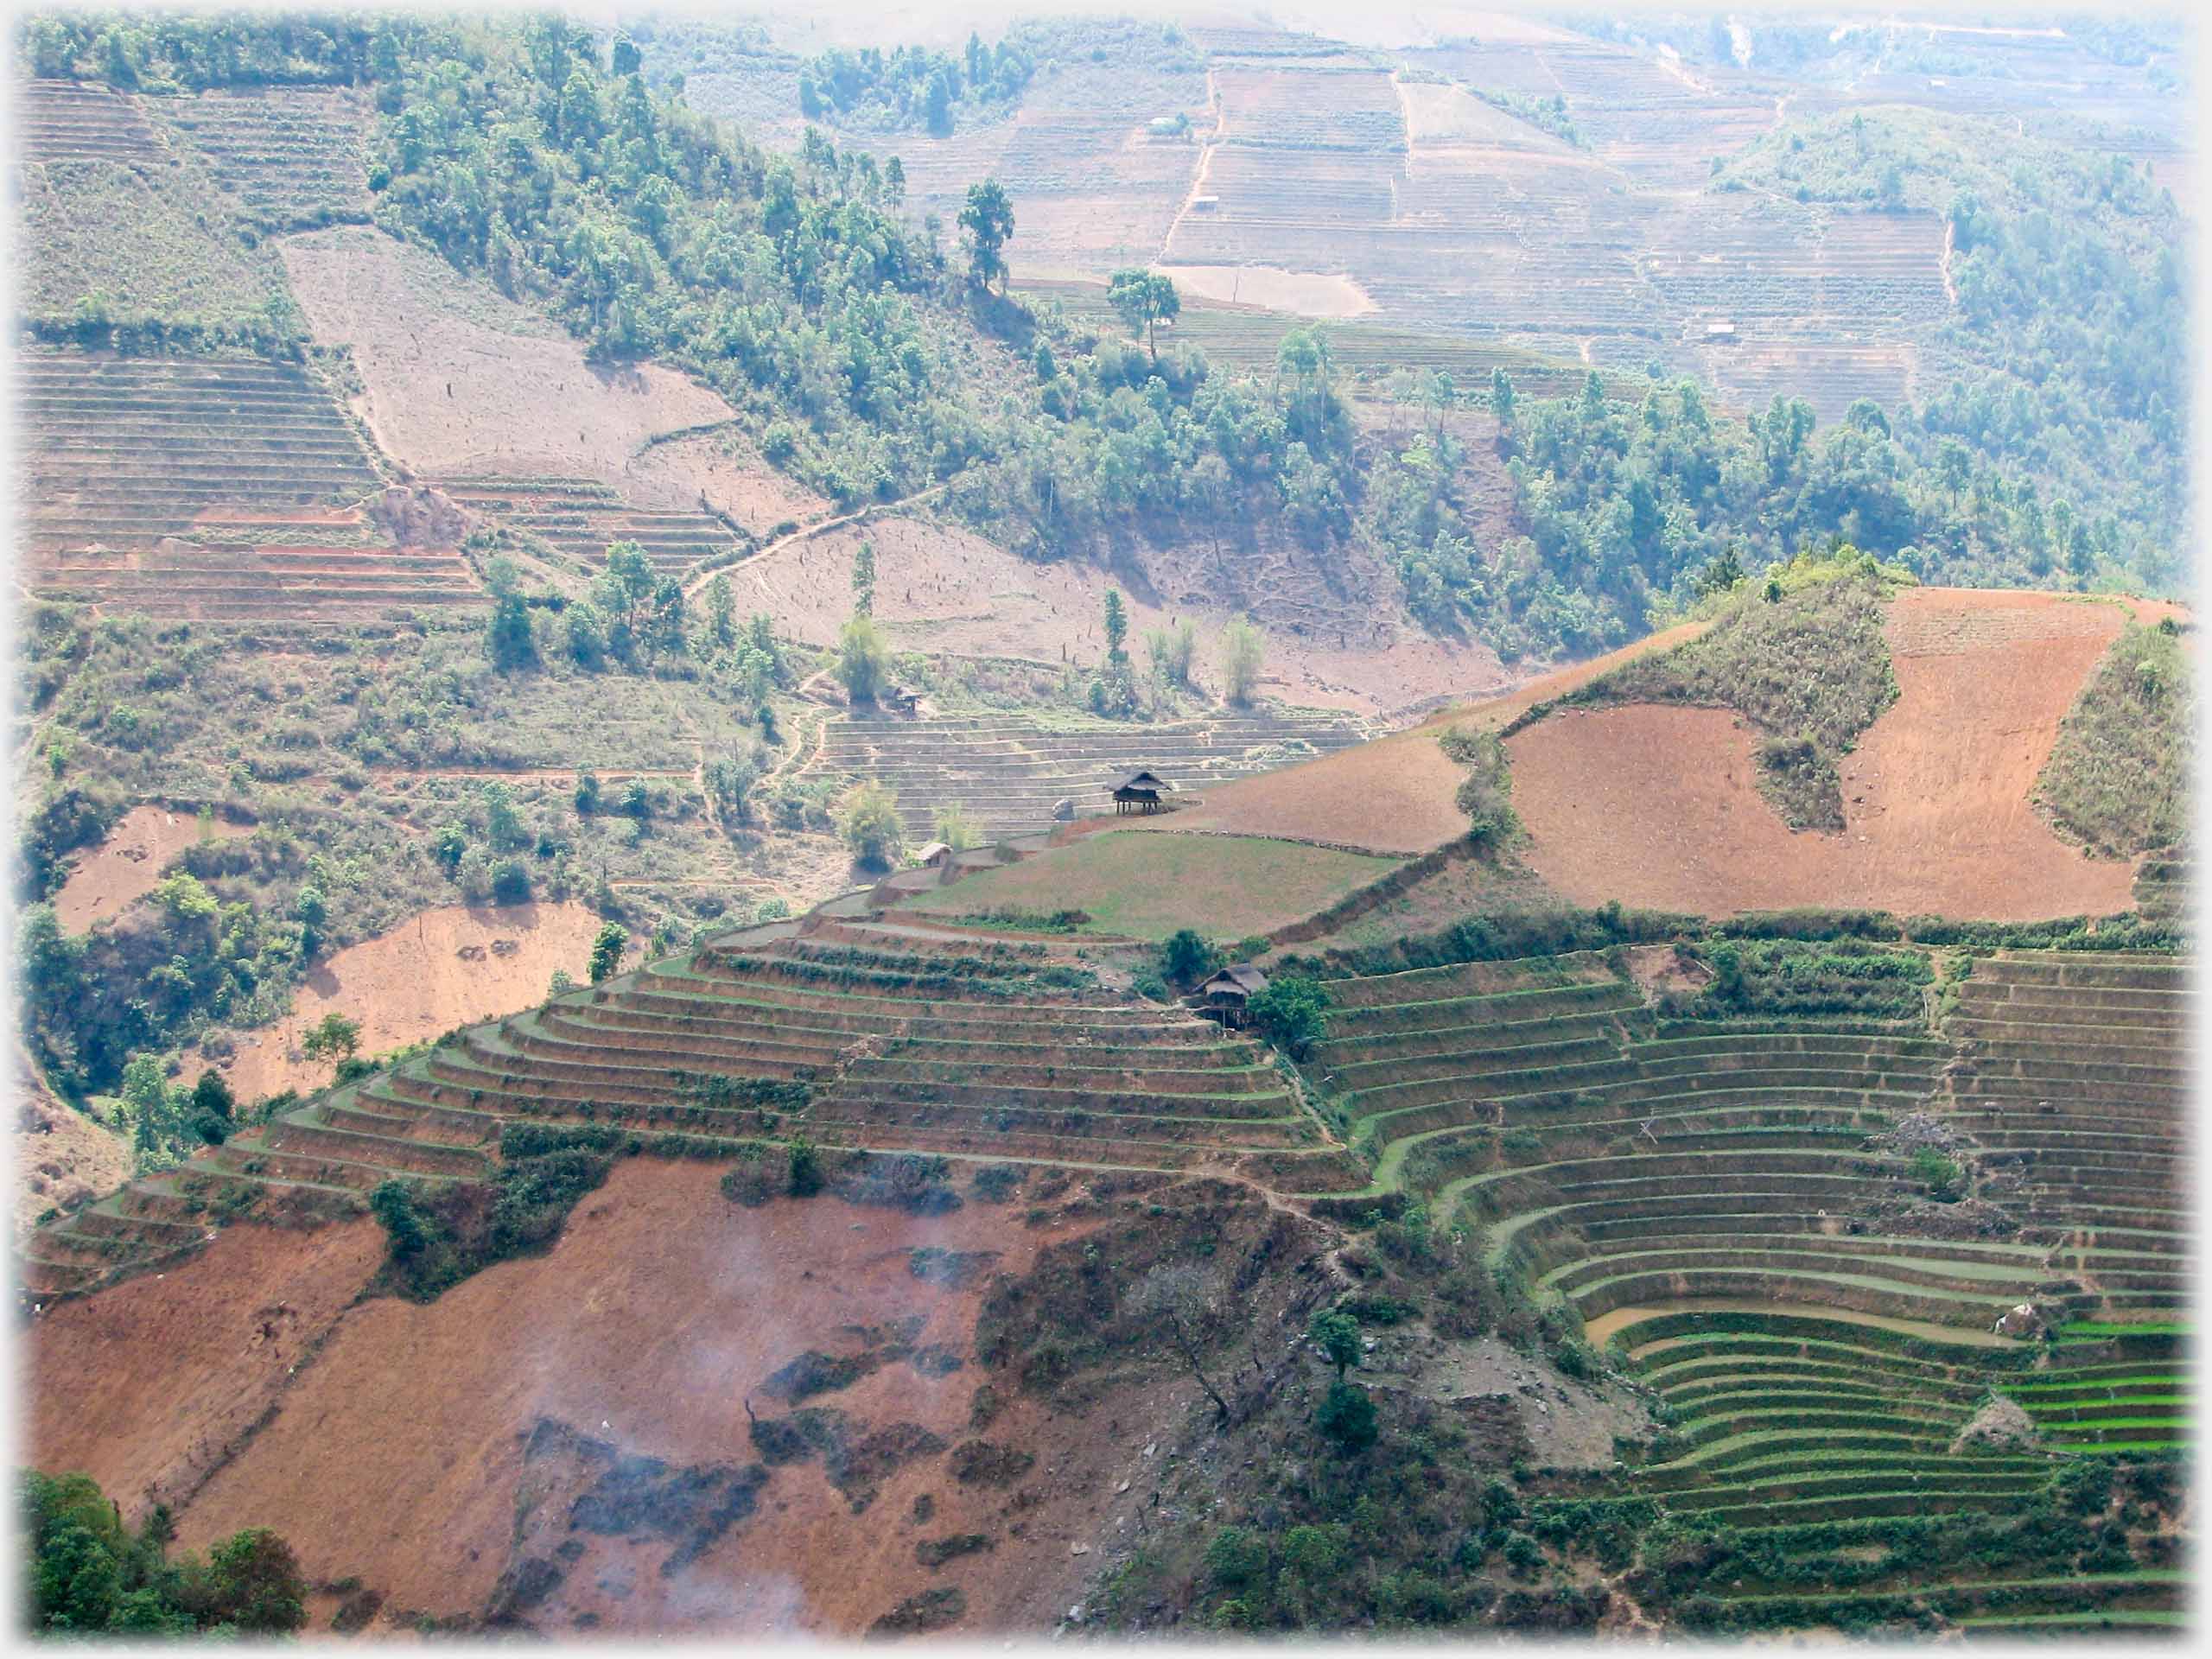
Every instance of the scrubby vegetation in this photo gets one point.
(2118, 778)
(292, 741)
(910, 86)
(1802, 655)
(439, 1235)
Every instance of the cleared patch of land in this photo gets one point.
(146, 1387)
(1392, 796)
(1227, 887)
(1304, 293)
(62, 1155)
(1659, 807)
(448, 967)
(650, 1326)
(944, 590)
(458, 378)
(132, 863)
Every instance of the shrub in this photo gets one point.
(1944, 1178)
(606, 951)
(804, 1178)
(868, 821)
(1293, 1013)
(1236, 1556)
(1244, 649)
(995, 1183)
(1186, 957)
(1337, 1335)
(864, 660)
(1347, 1417)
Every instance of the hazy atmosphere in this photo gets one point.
(1024, 822)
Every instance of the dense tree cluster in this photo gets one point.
(2057, 379)
(174, 51)
(910, 85)
(1629, 507)
(88, 1574)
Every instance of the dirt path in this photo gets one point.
(1205, 163)
(1944, 265)
(698, 584)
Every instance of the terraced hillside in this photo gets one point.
(579, 516)
(1719, 1201)
(1005, 771)
(211, 487)
(285, 156)
(895, 1040)
(69, 121)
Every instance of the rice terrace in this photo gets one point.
(1188, 823)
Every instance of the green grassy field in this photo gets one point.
(1148, 886)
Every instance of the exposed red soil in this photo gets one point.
(662, 1308)
(415, 982)
(62, 1157)
(144, 1385)
(129, 863)
(1657, 806)
(1391, 796)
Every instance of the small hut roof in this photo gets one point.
(1147, 779)
(931, 850)
(1240, 977)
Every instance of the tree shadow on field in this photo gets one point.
(1004, 319)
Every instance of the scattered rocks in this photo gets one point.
(2001, 1425)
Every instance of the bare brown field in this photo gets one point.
(448, 967)
(150, 1387)
(459, 380)
(1393, 795)
(649, 1327)
(1658, 806)
(130, 863)
(721, 470)
(1301, 294)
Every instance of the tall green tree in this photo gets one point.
(1144, 299)
(606, 951)
(987, 221)
(864, 660)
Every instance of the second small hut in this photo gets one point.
(1228, 993)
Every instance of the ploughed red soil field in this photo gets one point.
(495, 1447)
(1657, 807)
